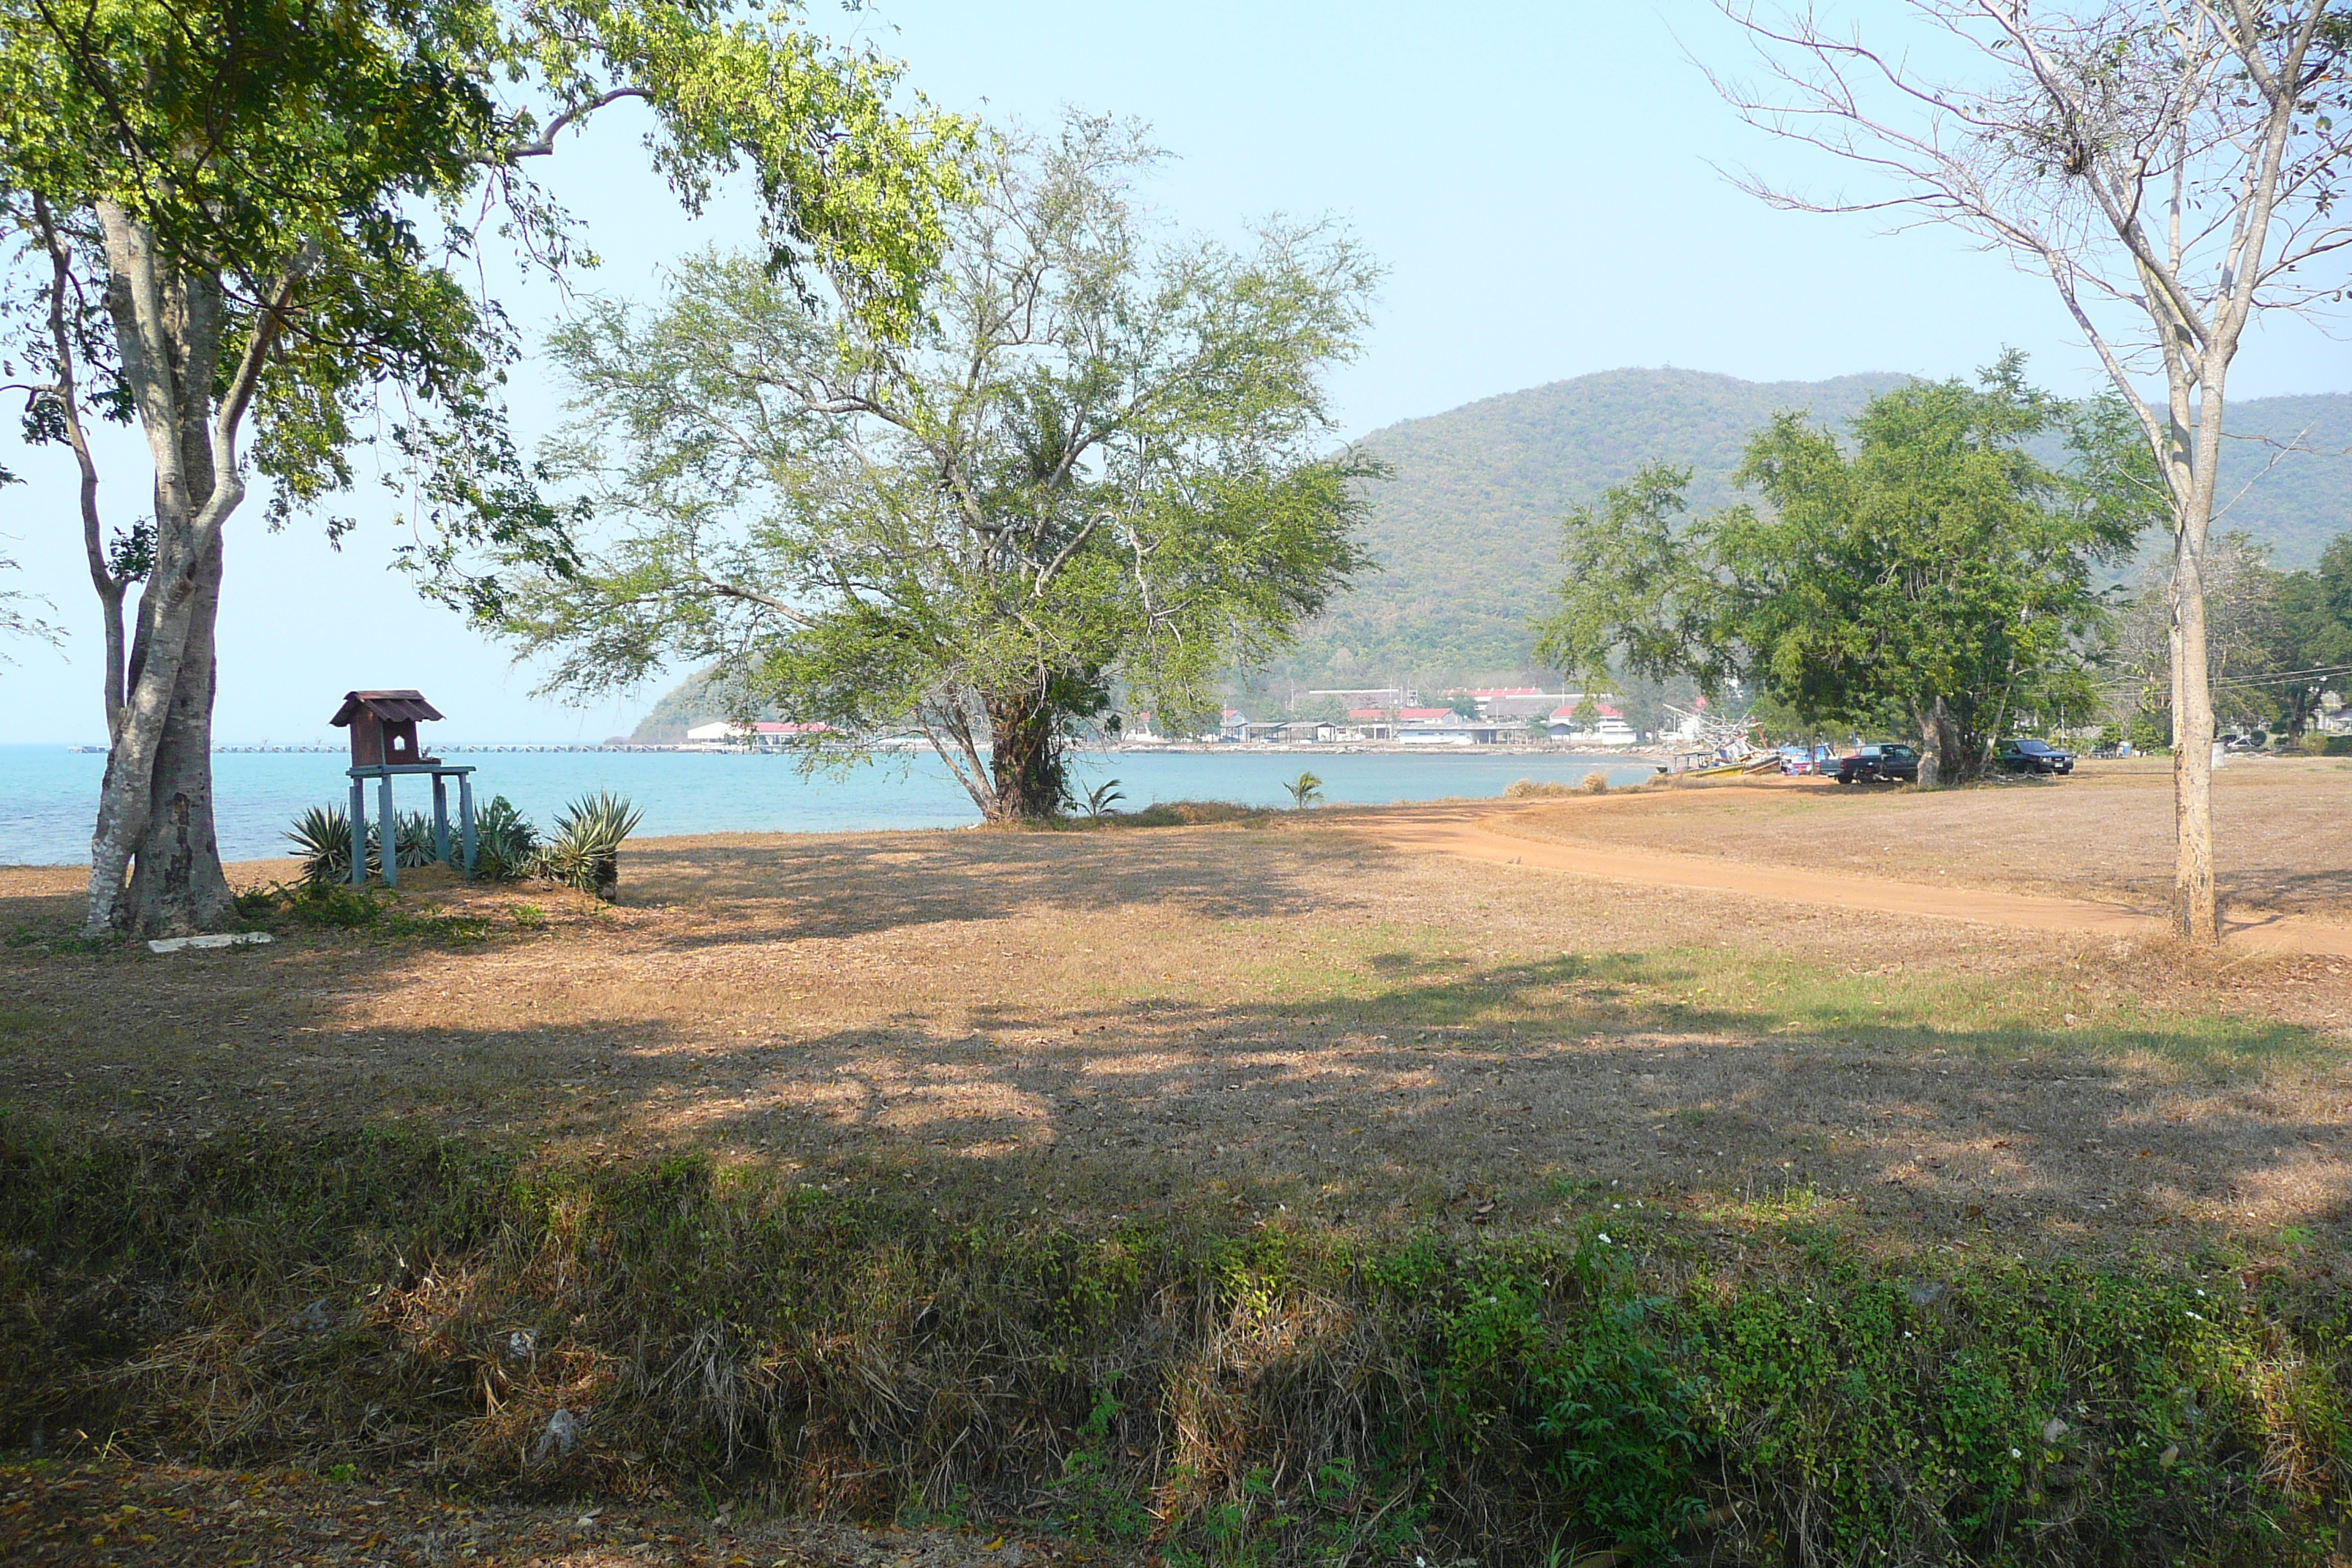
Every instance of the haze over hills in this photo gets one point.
(1467, 528)
(1468, 525)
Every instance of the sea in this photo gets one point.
(48, 794)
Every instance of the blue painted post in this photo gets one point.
(441, 818)
(465, 818)
(359, 831)
(388, 833)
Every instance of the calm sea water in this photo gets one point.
(48, 794)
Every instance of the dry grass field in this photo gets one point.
(2105, 833)
(1283, 1028)
(1288, 1015)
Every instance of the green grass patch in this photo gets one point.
(1390, 979)
(336, 906)
(1244, 1395)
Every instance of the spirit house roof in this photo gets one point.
(392, 706)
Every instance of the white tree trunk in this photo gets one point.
(2196, 905)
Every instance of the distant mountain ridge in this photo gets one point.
(1468, 525)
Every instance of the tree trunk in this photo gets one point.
(1964, 752)
(177, 886)
(1025, 759)
(1940, 760)
(155, 860)
(2196, 911)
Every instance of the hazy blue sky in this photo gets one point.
(1537, 178)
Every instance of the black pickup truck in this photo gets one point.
(1888, 760)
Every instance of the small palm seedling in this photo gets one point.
(586, 852)
(504, 841)
(1102, 798)
(1305, 790)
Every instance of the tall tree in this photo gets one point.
(258, 217)
(2173, 166)
(1100, 461)
(1940, 571)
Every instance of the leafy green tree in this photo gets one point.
(1938, 569)
(260, 221)
(2311, 635)
(1097, 461)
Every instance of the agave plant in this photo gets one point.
(504, 841)
(586, 852)
(322, 837)
(412, 841)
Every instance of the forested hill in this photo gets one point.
(1468, 526)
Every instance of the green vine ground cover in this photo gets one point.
(1231, 1394)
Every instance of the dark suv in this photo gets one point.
(2034, 757)
(1888, 760)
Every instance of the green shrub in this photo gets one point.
(1184, 814)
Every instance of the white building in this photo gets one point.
(1608, 728)
(765, 733)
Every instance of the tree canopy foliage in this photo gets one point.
(262, 218)
(1100, 461)
(1939, 571)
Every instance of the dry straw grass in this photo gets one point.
(1264, 1394)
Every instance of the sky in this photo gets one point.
(1542, 183)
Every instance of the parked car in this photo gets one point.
(1888, 760)
(2034, 757)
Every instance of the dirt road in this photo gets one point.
(1482, 832)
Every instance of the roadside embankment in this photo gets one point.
(675, 1327)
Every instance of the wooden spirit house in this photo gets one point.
(383, 742)
(384, 727)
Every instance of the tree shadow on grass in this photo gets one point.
(1433, 1094)
(860, 886)
(1415, 1084)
